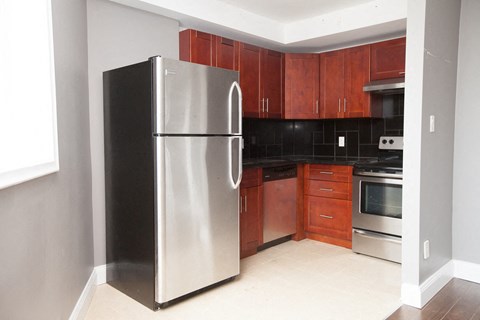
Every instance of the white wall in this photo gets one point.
(432, 43)
(117, 36)
(46, 244)
(466, 183)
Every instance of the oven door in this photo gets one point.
(377, 204)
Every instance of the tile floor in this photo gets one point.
(294, 280)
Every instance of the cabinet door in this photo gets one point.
(301, 86)
(388, 59)
(271, 83)
(225, 53)
(332, 84)
(329, 217)
(249, 67)
(249, 220)
(356, 74)
(196, 47)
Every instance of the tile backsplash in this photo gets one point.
(271, 138)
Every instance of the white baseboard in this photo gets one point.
(101, 272)
(417, 296)
(97, 277)
(466, 270)
(85, 298)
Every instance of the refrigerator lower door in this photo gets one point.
(197, 213)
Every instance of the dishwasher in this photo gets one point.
(279, 203)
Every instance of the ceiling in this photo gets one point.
(287, 25)
(288, 11)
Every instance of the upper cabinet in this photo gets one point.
(271, 83)
(225, 53)
(196, 47)
(261, 81)
(301, 86)
(388, 59)
(249, 67)
(343, 74)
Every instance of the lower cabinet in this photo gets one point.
(250, 212)
(328, 204)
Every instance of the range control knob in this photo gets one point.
(384, 141)
(391, 141)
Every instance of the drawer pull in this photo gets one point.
(325, 216)
(326, 172)
(326, 189)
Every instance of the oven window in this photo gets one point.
(381, 199)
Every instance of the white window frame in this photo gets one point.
(34, 160)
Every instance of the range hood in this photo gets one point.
(386, 86)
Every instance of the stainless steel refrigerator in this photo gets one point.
(173, 166)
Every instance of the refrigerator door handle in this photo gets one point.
(235, 85)
(236, 183)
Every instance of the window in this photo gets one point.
(28, 123)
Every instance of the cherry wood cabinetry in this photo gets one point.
(343, 73)
(328, 203)
(250, 212)
(249, 67)
(271, 83)
(196, 47)
(208, 49)
(388, 59)
(301, 86)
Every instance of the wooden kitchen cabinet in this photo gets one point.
(249, 68)
(250, 209)
(328, 203)
(225, 53)
(388, 59)
(343, 73)
(196, 47)
(208, 49)
(271, 83)
(301, 86)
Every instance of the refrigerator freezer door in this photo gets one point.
(197, 213)
(195, 99)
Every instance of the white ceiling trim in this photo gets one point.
(375, 20)
(357, 17)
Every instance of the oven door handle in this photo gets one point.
(375, 236)
(379, 174)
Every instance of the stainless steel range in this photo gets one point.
(377, 203)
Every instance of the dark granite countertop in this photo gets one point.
(276, 161)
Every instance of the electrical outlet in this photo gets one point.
(426, 249)
(341, 141)
(432, 124)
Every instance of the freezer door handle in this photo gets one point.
(235, 85)
(236, 183)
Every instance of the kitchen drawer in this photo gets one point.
(251, 177)
(329, 189)
(328, 172)
(329, 217)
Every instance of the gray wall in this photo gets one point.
(46, 244)
(432, 33)
(117, 36)
(466, 186)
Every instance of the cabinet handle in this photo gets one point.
(401, 72)
(263, 104)
(317, 106)
(326, 172)
(325, 216)
(326, 189)
(344, 104)
(338, 105)
(267, 105)
(246, 203)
